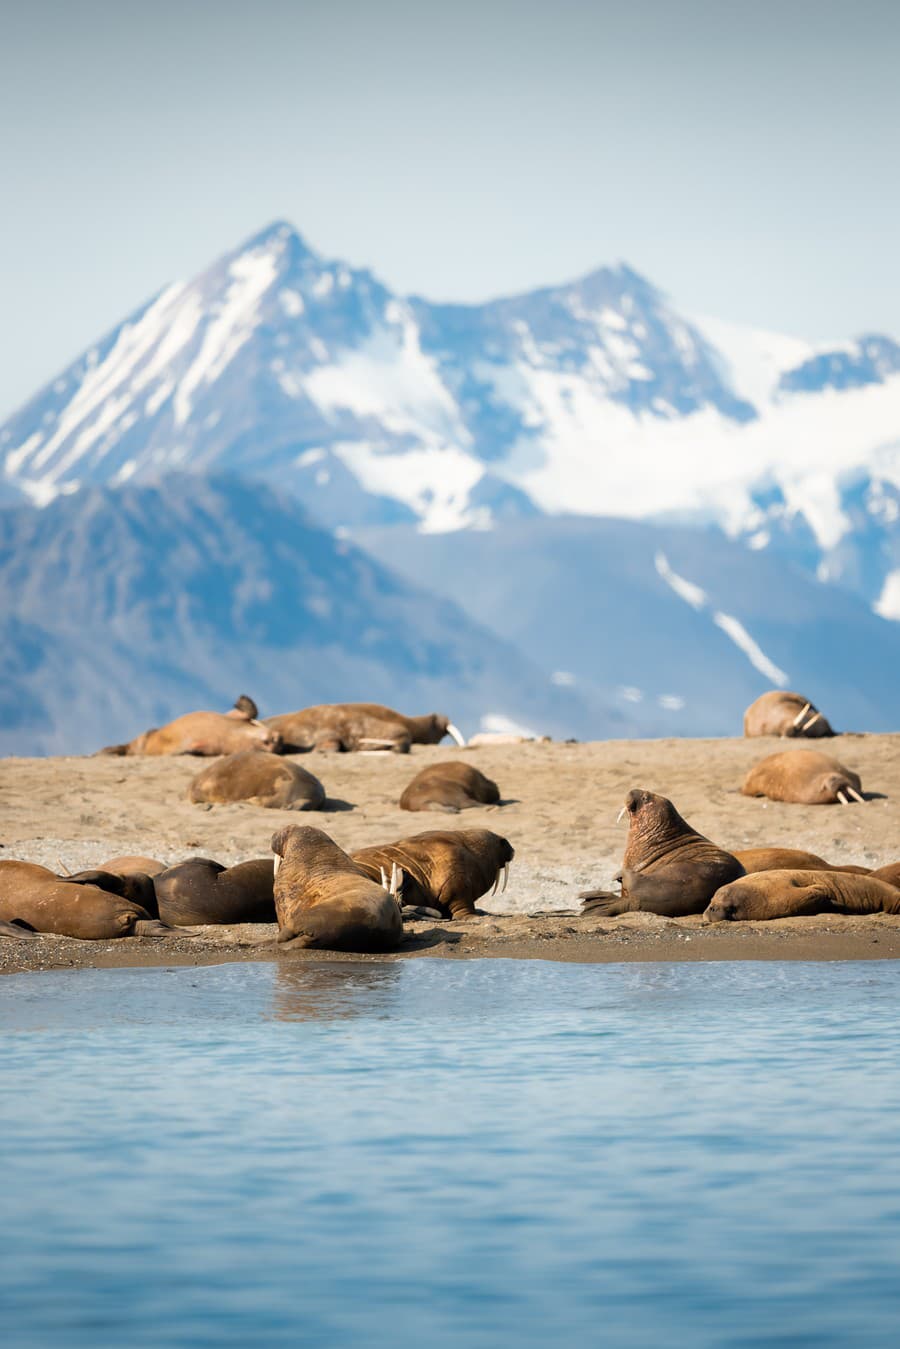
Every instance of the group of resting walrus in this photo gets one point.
(321, 896)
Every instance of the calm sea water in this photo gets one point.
(445, 1153)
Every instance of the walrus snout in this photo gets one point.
(840, 788)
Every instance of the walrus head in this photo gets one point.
(245, 708)
(838, 787)
(653, 826)
(431, 729)
(725, 906)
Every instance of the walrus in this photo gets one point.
(803, 777)
(260, 778)
(890, 874)
(34, 897)
(336, 727)
(785, 714)
(788, 894)
(200, 892)
(443, 870)
(668, 868)
(131, 866)
(323, 898)
(450, 786)
(205, 733)
(790, 859)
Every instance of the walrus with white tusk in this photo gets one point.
(260, 779)
(668, 868)
(443, 870)
(450, 786)
(789, 894)
(206, 733)
(785, 714)
(803, 777)
(324, 899)
(32, 897)
(337, 727)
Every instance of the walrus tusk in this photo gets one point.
(496, 883)
(455, 734)
(621, 813)
(856, 796)
(277, 864)
(842, 798)
(396, 881)
(375, 740)
(384, 880)
(800, 715)
(64, 869)
(812, 721)
(505, 877)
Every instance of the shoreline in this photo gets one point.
(634, 938)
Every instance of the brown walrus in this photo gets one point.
(890, 874)
(785, 714)
(338, 727)
(668, 868)
(450, 786)
(790, 859)
(132, 866)
(787, 894)
(205, 733)
(36, 898)
(200, 892)
(322, 898)
(261, 779)
(444, 870)
(803, 777)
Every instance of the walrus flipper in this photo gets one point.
(604, 902)
(16, 928)
(154, 927)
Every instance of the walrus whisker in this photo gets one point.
(620, 814)
(812, 721)
(456, 734)
(842, 798)
(800, 715)
(851, 791)
(505, 877)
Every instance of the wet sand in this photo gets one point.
(560, 807)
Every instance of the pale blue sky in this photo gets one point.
(744, 156)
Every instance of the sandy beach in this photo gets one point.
(559, 812)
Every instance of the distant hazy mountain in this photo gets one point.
(125, 607)
(681, 628)
(595, 397)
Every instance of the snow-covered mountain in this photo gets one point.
(678, 628)
(595, 397)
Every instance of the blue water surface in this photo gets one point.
(450, 1152)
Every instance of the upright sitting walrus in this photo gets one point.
(259, 778)
(804, 777)
(785, 714)
(668, 868)
(451, 786)
(445, 870)
(206, 733)
(199, 892)
(339, 727)
(32, 897)
(322, 898)
(787, 894)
